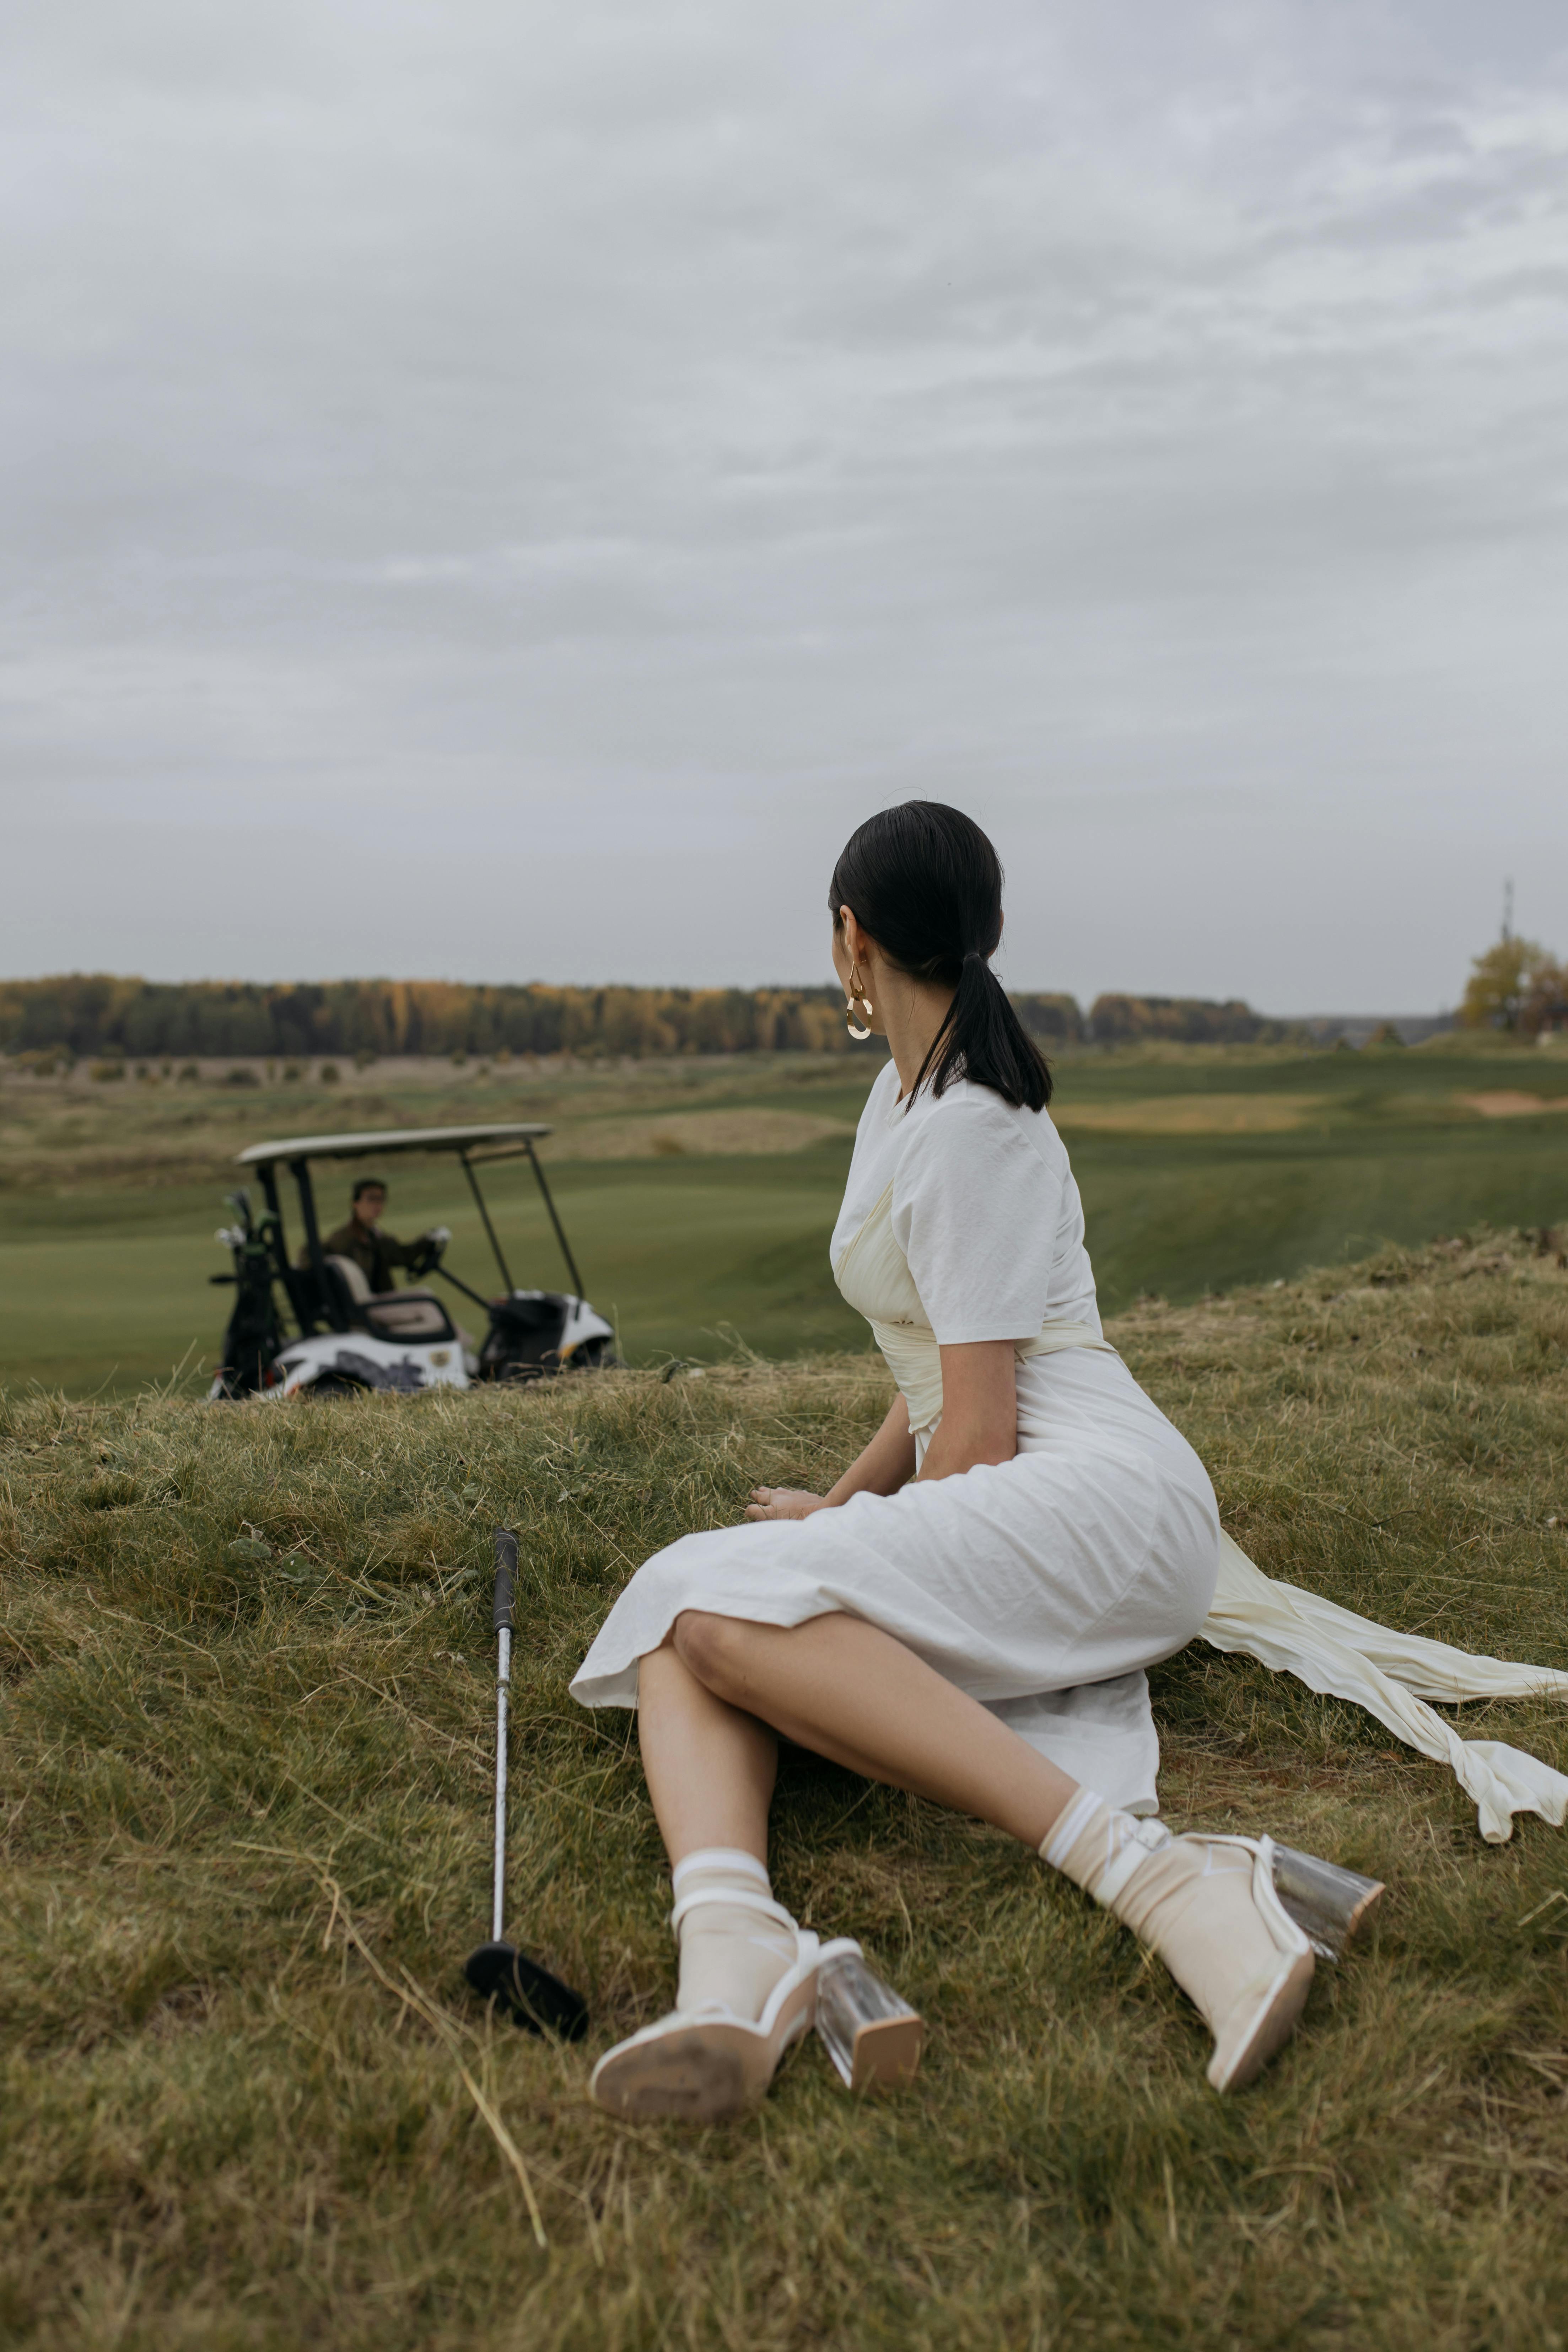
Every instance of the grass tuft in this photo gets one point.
(244, 1773)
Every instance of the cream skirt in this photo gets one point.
(1043, 1586)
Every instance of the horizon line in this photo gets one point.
(744, 988)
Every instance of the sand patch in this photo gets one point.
(1507, 1105)
(1191, 1115)
(722, 1134)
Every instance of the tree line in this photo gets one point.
(1514, 985)
(104, 1015)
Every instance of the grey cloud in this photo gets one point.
(593, 456)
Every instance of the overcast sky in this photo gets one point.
(500, 490)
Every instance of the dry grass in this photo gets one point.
(245, 1789)
(1227, 1114)
(729, 1133)
(1513, 1104)
(67, 1134)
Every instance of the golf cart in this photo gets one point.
(349, 1337)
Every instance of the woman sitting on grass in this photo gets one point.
(969, 1612)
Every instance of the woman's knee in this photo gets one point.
(712, 1646)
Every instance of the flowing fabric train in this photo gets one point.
(1392, 1675)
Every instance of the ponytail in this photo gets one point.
(983, 1039)
(926, 884)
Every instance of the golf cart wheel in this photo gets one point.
(593, 1356)
(331, 1384)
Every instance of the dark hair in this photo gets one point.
(369, 1184)
(924, 881)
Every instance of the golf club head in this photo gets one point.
(530, 1996)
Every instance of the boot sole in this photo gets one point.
(690, 2074)
(1271, 2026)
(705, 2070)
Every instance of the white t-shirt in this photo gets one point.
(985, 1209)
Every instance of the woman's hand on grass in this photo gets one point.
(784, 1502)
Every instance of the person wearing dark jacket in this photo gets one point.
(360, 1238)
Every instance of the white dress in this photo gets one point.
(1043, 1586)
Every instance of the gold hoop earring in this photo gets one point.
(857, 996)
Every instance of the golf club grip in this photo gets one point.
(506, 1570)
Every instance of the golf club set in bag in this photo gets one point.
(872, 2036)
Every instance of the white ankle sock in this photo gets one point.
(735, 1941)
(1099, 1848)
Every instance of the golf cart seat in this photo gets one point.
(389, 1314)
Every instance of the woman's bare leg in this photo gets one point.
(711, 1768)
(855, 1694)
(711, 1772)
(858, 1696)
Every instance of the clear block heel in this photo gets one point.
(872, 2036)
(1327, 1904)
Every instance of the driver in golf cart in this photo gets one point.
(360, 1240)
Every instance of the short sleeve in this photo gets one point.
(975, 1209)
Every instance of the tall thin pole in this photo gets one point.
(560, 1234)
(498, 1971)
(506, 1569)
(478, 1196)
(301, 1171)
(503, 1680)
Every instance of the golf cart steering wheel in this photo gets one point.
(431, 1248)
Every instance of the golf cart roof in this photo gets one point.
(373, 1144)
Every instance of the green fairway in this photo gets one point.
(1179, 1218)
(679, 1255)
(1198, 1171)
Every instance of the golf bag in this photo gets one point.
(254, 1334)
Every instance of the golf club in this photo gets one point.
(498, 1970)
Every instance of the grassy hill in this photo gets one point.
(245, 1781)
(699, 1193)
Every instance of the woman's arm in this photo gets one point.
(979, 1409)
(979, 1423)
(885, 1465)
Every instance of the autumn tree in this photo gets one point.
(1515, 985)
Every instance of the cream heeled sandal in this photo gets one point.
(706, 2063)
(1210, 1908)
(1259, 2014)
(710, 2060)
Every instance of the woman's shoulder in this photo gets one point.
(966, 1098)
(880, 1097)
(966, 1117)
